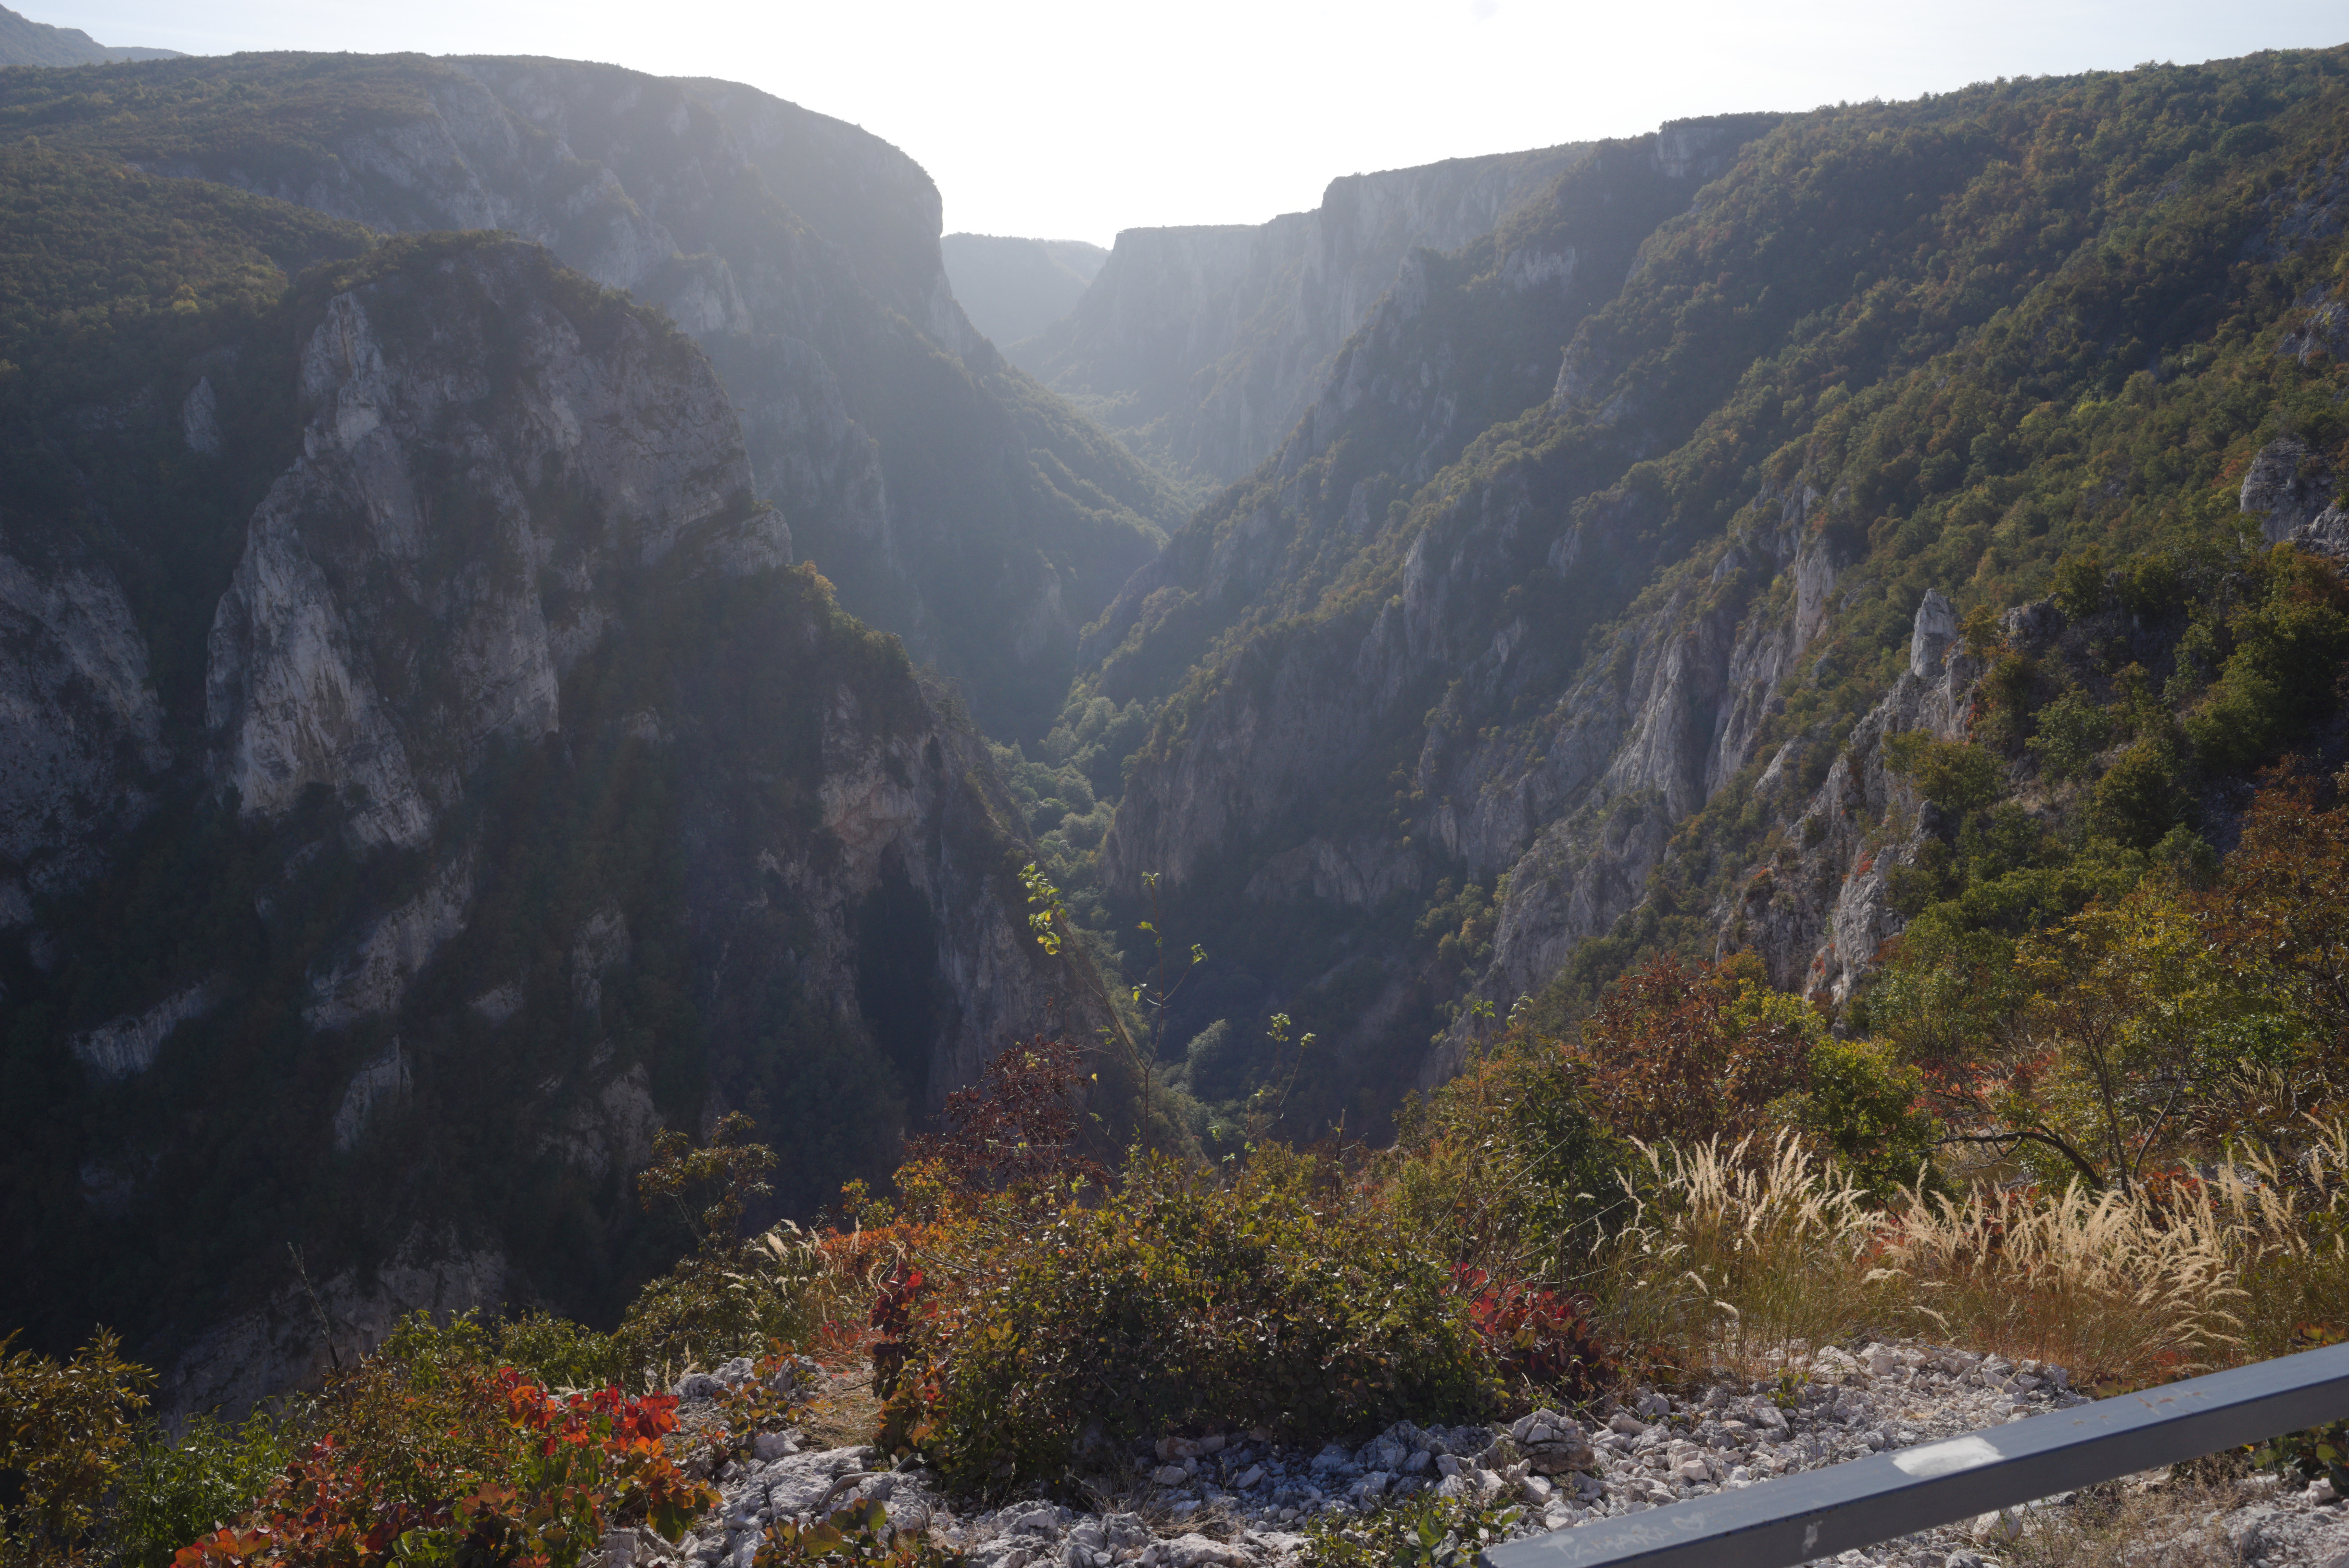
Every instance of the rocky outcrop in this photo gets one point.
(1200, 347)
(125, 1047)
(1819, 912)
(306, 1327)
(419, 583)
(2287, 487)
(81, 728)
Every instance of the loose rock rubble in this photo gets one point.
(1240, 1501)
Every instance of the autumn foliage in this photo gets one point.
(1692, 1051)
(430, 1455)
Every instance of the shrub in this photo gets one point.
(1952, 775)
(1538, 1338)
(1861, 1105)
(726, 1298)
(1505, 1169)
(556, 1353)
(175, 1488)
(2139, 798)
(2077, 586)
(1679, 1052)
(1426, 1531)
(1182, 1304)
(2072, 730)
(716, 1306)
(858, 1533)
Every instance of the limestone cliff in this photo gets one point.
(1201, 346)
(527, 800)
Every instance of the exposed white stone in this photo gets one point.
(382, 1080)
(200, 417)
(370, 980)
(127, 1045)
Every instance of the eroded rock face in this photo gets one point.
(80, 724)
(420, 582)
(292, 1340)
(2287, 486)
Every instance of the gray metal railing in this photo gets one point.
(1818, 1514)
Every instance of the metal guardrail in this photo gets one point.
(1821, 1512)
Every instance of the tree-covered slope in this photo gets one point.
(1435, 721)
(950, 499)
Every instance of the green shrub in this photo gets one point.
(727, 1298)
(2139, 798)
(559, 1354)
(175, 1488)
(1425, 1532)
(1952, 775)
(1179, 1304)
(2072, 730)
(2077, 584)
(1861, 1105)
(1505, 1169)
(712, 1307)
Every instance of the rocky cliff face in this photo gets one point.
(1201, 346)
(527, 800)
(942, 492)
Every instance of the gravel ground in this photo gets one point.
(1239, 1500)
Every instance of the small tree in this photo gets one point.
(725, 1298)
(1675, 1051)
(66, 1429)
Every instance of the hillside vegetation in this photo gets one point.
(1762, 770)
(1491, 683)
(1701, 1184)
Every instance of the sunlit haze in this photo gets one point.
(1066, 120)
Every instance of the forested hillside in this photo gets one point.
(1968, 423)
(25, 42)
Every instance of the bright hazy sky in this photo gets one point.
(1061, 120)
